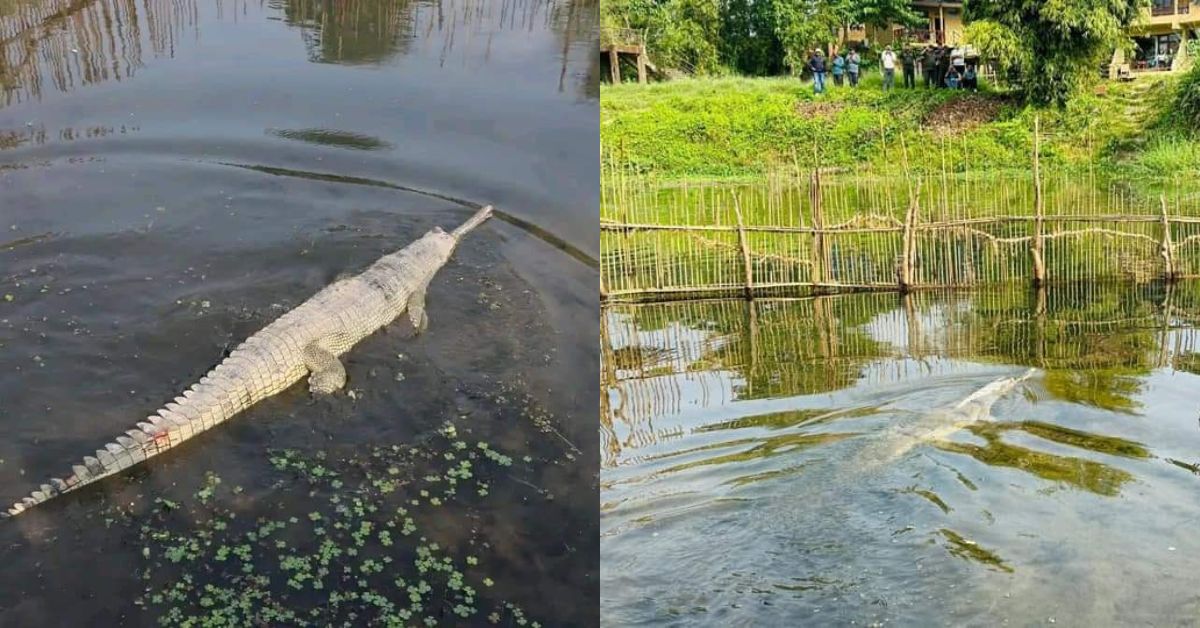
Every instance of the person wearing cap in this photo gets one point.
(816, 64)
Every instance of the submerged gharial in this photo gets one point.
(940, 422)
(305, 341)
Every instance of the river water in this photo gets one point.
(800, 462)
(175, 174)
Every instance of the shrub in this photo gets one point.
(1187, 98)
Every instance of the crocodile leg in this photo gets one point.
(327, 373)
(416, 311)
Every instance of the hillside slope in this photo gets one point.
(740, 127)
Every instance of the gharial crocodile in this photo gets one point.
(306, 340)
(940, 422)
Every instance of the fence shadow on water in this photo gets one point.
(1094, 341)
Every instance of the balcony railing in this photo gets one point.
(1183, 7)
(620, 37)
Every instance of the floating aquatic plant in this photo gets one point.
(352, 552)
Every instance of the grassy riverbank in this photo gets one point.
(745, 128)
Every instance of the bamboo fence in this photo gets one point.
(815, 231)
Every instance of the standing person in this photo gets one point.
(929, 66)
(908, 60)
(887, 61)
(839, 68)
(943, 65)
(852, 67)
(816, 64)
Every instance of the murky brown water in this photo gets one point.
(174, 175)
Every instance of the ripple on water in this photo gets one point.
(743, 481)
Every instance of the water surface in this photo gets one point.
(176, 174)
(787, 462)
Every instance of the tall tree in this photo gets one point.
(749, 43)
(1062, 43)
(804, 24)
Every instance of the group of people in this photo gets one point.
(940, 66)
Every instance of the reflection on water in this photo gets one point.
(1077, 472)
(351, 32)
(762, 423)
(71, 43)
(66, 44)
(175, 173)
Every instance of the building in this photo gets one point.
(942, 25)
(1160, 38)
(1160, 35)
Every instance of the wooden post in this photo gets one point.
(614, 65)
(1039, 262)
(909, 245)
(818, 261)
(1166, 248)
(745, 246)
(641, 65)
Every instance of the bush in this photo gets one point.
(1187, 98)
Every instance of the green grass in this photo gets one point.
(740, 128)
(1166, 154)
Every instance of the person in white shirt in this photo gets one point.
(888, 62)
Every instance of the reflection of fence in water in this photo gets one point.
(924, 228)
(658, 359)
(370, 31)
(70, 43)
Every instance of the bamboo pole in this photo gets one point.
(745, 246)
(818, 263)
(1039, 263)
(1166, 249)
(908, 245)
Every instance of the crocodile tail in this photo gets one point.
(197, 410)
